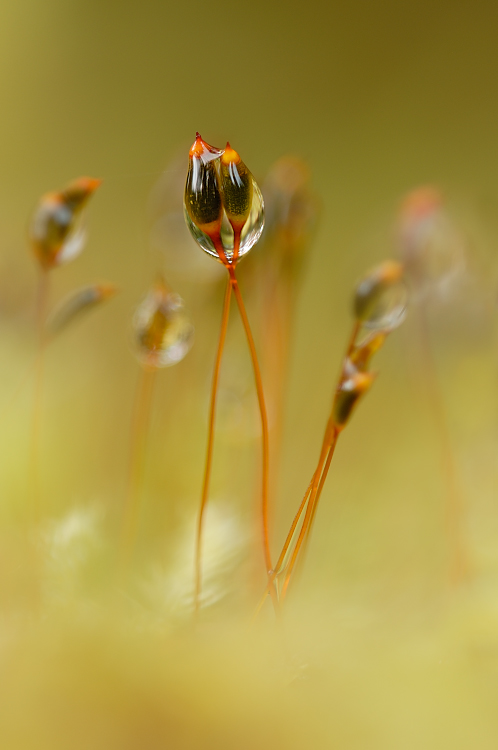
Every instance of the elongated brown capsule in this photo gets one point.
(362, 353)
(347, 395)
(380, 298)
(53, 230)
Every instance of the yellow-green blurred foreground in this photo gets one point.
(379, 646)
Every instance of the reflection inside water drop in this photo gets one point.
(250, 234)
(388, 310)
(163, 331)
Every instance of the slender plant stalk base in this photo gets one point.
(323, 464)
(210, 444)
(140, 424)
(264, 428)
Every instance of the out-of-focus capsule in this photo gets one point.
(348, 393)
(362, 353)
(291, 210)
(77, 303)
(55, 232)
(381, 298)
(224, 208)
(163, 332)
(430, 246)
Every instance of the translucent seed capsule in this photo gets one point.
(163, 332)
(56, 232)
(77, 303)
(224, 208)
(203, 206)
(381, 298)
(348, 393)
(252, 229)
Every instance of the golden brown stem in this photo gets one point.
(210, 443)
(264, 424)
(314, 491)
(327, 451)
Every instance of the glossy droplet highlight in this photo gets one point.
(381, 298)
(163, 331)
(250, 234)
(224, 207)
(203, 206)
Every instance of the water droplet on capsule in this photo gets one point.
(251, 231)
(56, 231)
(205, 213)
(163, 331)
(381, 298)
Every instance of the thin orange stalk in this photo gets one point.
(318, 481)
(140, 423)
(325, 458)
(278, 567)
(209, 451)
(264, 419)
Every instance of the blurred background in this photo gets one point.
(380, 648)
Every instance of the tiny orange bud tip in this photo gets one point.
(230, 155)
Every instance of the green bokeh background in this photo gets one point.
(379, 98)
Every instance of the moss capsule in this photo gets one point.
(55, 233)
(347, 395)
(381, 297)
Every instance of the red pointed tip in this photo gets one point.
(79, 190)
(197, 147)
(93, 183)
(228, 145)
(202, 150)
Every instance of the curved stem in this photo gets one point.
(290, 535)
(325, 458)
(210, 444)
(280, 562)
(264, 421)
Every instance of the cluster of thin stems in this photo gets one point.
(232, 286)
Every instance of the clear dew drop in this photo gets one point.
(251, 231)
(163, 333)
(389, 309)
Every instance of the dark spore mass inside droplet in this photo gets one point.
(202, 196)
